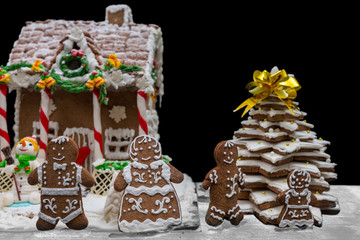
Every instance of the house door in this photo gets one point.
(84, 137)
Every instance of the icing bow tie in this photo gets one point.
(59, 166)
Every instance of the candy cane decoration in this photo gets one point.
(44, 121)
(98, 149)
(4, 135)
(141, 107)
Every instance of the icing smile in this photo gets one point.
(145, 159)
(59, 159)
(229, 162)
(23, 150)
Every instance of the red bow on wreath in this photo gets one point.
(75, 53)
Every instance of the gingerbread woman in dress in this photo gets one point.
(224, 181)
(149, 201)
(296, 211)
(60, 178)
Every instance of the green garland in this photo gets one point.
(112, 165)
(16, 66)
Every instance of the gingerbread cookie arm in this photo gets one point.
(87, 179)
(33, 177)
(315, 202)
(120, 183)
(175, 175)
(281, 197)
(209, 179)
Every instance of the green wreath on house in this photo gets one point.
(74, 64)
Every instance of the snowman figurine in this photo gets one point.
(26, 151)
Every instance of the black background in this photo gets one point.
(210, 53)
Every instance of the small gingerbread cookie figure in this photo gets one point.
(224, 181)
(149, 202)
(60, 178)
(296, 211)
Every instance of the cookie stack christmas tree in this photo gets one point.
(275, 140)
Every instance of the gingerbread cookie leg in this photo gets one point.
(236, 215)
(43, 225)
(214, 216)
(78, 223)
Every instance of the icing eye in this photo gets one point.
(54, 148)
(231, 153)
(30, 144)
(149, 147)
(224, 153)
(141, 149)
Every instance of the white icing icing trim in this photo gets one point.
(216, 217)
(123, 137)
(148, 225)
(70, 205)
(161, 208)
(213, 208)
(165, 173)
(140, 177)
(57, 166)
(50, 204)
(137, 205)
(60, 191)
(126, 172)
(149, 190)
(215, 177)
(232, 188)
(60, 140)
(65, 220)
(138, 165)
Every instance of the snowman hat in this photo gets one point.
(31, 139)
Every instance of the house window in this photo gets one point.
(53, 129)
(117, 142)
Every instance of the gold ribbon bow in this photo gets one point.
(264, 84)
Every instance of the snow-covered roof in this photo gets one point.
(134, 44)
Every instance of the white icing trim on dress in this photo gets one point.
(149, 190)
(135, 225)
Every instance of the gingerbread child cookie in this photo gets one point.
(60, 178)
(296, 211)
(224, 181)
(149, 201)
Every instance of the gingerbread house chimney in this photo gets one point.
(119, 14)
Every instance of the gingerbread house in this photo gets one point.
(75, 51)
